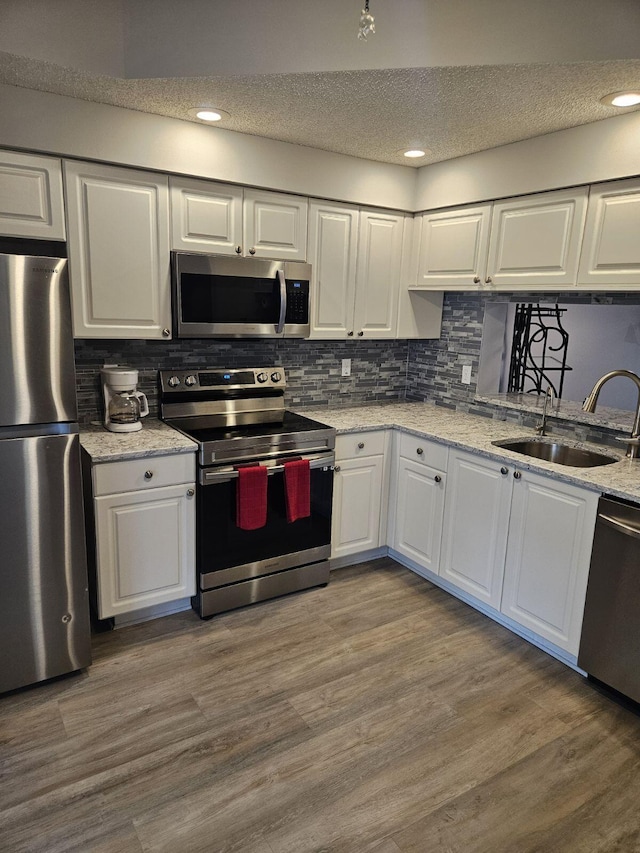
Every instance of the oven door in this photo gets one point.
(226, 554)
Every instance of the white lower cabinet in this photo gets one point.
(476, 523)
(520, 543)
(417, 500)
(145, 532)
(359, 494)
(548, 553)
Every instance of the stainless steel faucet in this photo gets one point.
(589, 405)
(549, 394)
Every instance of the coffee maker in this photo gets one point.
(124, 405)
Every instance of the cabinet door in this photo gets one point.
(476, 524)
(118, 224)
(145, 548)
(275, 225)
(611, 249)
(333, 244)
(31, 202)
(535, 240)
(453, 248)
(419, 508)
(205, 216)
(548, 553)
(378, 274)
(357, 504)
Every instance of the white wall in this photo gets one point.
(39, 121)
(580, 155)
(87, 35)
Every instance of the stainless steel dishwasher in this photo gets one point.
(610, 641)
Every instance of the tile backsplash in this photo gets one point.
(313, 368)
(381, 370)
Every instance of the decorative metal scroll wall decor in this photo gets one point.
(538, 350)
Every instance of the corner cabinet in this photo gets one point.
(31, 200)
(356, 258)
(476, 524)
(223, 219)
(359, 494)
(118, 240)
(417, 500)
(530, 243)
(144, 518)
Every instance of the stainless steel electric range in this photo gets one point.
(238, 419)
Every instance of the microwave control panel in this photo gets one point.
(297, 302)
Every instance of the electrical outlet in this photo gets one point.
(466, 374)
(346, 367)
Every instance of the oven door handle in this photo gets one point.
(283, 302)
(211, 476)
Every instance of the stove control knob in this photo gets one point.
(190, 380)
(174, 381)
(262, 377)
(276, 376)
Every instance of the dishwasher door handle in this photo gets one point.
(626, 529)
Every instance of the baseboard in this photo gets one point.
(361, 557)
(148, 613)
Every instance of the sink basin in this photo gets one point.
(554, 451)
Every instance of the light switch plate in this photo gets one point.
(466, 374)
(346, 367)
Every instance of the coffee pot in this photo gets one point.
(124, 405)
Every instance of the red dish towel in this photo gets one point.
(297, 489)
(251, 497)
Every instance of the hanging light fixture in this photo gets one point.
(367, 23)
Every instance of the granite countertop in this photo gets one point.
(154, 439)
(476, 434)
(467, 432)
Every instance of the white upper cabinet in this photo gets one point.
(531, 243)
(206, 216)
(356, 258)
(378, 274)
(453, 246)
(333, 245)
(611, 249)
(118, 241)
(275, 225)
(31, 201)
(222, 219)
(535, 241)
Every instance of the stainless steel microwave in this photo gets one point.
(215, 296)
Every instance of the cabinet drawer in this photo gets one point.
(356, 444)
(425, 451)
(132, 474)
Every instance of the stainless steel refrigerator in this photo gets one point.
(44, 610)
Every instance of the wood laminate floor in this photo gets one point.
(378, 715)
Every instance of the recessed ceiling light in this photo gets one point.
(621, 99)
(208, 114)
(414, 152)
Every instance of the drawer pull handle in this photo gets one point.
(148, 475)
(517, 475)
(419, 451)
(438, 478)
(190, 493)
(361, 445)
(504, 470)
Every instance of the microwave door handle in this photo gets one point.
(283, 302)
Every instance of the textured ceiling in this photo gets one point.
(371, 114)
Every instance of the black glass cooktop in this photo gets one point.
(291, 423)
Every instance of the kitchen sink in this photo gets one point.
(556, 451)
